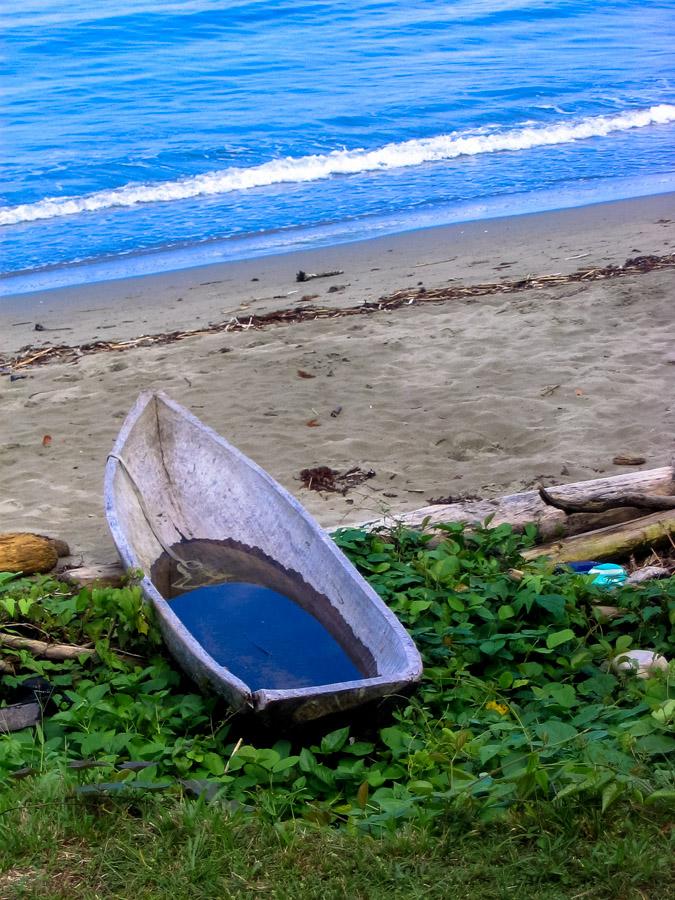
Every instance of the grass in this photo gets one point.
(522, 766)
(53, 845)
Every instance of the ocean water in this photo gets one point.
(143, 136)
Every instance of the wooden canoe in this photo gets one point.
(173, 484)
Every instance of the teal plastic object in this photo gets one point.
(608, 575)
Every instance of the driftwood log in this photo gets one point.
(602, 502)
(519, 510)
(43, 649)
(612, 542)
(29, 553)
(308, 276)
(46, 650)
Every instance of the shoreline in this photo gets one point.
(469, 252)
(479, 395)
(282, 241)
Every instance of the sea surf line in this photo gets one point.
(405, 154)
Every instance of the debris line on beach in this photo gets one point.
(34, 356)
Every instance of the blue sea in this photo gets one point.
(151, 135)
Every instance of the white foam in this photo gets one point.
(339, 162)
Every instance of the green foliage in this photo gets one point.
(517, 703)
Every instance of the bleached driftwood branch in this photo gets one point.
(528, 507)
(46, 650)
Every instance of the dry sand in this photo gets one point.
(478, 396)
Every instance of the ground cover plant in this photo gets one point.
(518, 720)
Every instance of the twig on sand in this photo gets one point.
(435, 262)
(308, 276)
(550, 389)
(323, 478)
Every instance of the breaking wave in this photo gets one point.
(339, 162)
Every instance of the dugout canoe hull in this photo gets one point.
(170, 480)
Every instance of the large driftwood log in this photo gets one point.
(519, 510)
(612, 542)
(29, 553)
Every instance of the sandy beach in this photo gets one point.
(472, 396)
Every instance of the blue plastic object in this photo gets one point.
(583, 566)
(608, 574)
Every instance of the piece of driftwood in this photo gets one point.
(649, 573)
(519, 510)
(27, 553)
(46, 650)
(106, 575)
(43, 649)
(177, 491)
(612, 542)
(607, 613)
(18, 716)
(599, 502)
(308, 276)
(641, 663)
